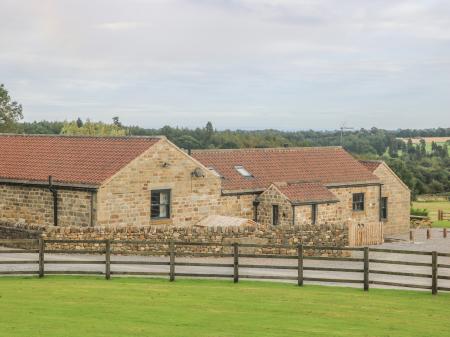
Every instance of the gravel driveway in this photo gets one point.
(421, 244)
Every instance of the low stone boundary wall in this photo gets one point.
(317, 235)
(418, 221)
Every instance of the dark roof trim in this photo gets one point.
(331, 185)
(312, 202)
(31, 183)
(241, 192)
(362, 184)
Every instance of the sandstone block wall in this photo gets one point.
(267, 199)
(332, 213)
(125, 199)
(35, 205)
(399, 201)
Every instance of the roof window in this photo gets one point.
(243, 172)
(215, 171)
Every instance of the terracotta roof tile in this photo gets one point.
(81, 160)
(306, 192)
(326, 165)
(371, 165)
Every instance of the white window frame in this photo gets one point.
(243, 171)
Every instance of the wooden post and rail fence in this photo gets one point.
(442, 215)
(239, 269)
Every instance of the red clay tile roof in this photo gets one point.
(306, 192)
(327, 165)
(76, 160)
(371, 165)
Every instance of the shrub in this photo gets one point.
(419, 211)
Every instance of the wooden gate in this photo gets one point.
(443, 215)
(360, 234)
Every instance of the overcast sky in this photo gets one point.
(249, 64)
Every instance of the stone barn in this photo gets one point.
(141, 181)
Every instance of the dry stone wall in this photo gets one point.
(325, 235)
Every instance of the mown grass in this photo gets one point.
(88, 306)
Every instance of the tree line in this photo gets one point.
(425, 168)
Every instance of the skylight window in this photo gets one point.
(243, 172)
(215, 171)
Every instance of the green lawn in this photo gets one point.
(89, 306)
(433, 207)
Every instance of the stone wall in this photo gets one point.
(332, 213)
(420, 222)
(328, 235)
(272, 196)
(35, 205)
(399, 199)
(237, 205)
(125, 198)
(343, 210)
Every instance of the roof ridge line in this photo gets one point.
(80, 136)
(263, 149)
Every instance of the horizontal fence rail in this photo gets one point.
(292, 260)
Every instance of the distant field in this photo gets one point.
(433, 207)
(138, 307)
(427, 140)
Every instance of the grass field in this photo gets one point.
(88, 306)
(433, 207)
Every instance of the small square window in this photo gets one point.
(358, 201)
(160, 204)
(243, 172)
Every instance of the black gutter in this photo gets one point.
(42, 184)
(54, 191)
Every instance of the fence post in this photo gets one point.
(366, 268)
(445, 233)
(411, 235)
(428, 234)
(41, 256)
(236, 262)
(440, 215)
(172, 262)
(434, 273)
(300, 264)
(107, 259)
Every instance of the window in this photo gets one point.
(314, 208)
(243, 172)
(160, 207)
(275, 215)
(358, 201)
(384, 208)
(215, 171)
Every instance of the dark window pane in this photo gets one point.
(358, 201)
(314, 213)
(384, 208)
(275, 215)
(160, 204)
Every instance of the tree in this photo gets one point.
(92, 129)
(116, 122)
(79, 122)
(10, 111)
